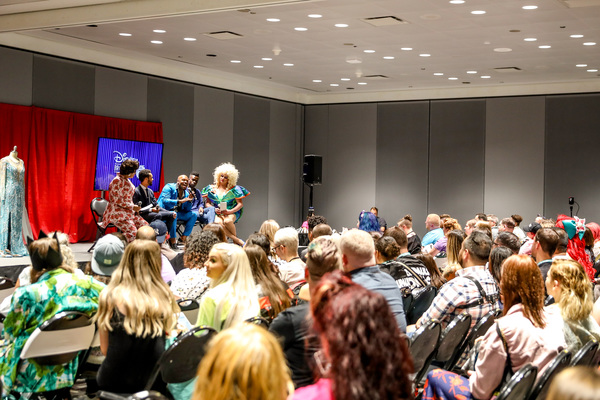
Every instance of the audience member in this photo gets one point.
(405, 257)
(317, 226)
(358, 259)
(448, 224)
(192, 281)
(544, 245)
(469, 226)
(244, 362)
(508, 240)
(144, 197)
(53, 289)
(455, 241)
(176, 197)
(461, 293)
(120, 211)
(363, 356)
(382, 223)
(367, 221)
(497, 257)
(530, 231)
(563, 244)
(481, 217)
(217, 230)
(268, 228)
(292, 325)
(205, 213)
(595, 228)
(313, 221)
(410, 279)
(231, 297)
(507, 225)
(135, 314)
(226, 196)
(106, 257)
(574, 302)
(414, 241)
(522, 327)
(157, 232)
(484, 227)
(437, 279)
(273, 293)
(517, 230)
(291, 270)
(434, 232)
(575, 383)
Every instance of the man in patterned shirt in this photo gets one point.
(461, 293)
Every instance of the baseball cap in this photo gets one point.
(532, 227)
(160, 229)
(107, 255)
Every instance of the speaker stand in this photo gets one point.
(310, 196)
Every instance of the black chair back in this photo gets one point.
(586, 356)
(480, 328)
(423, 345)
(519, 386)
(560, 362)
(180, 361)
(420, 304)
(453, 336)
(260, 321)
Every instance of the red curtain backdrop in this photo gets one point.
(59, 150)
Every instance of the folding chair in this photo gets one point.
(420, 304)
(519, 386)
(98, 206)
(478, 330)
(453, 336)
(189, 308)
(586, 356)
(260, 321)
(560, 362)
(422, 347)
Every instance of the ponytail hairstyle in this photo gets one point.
(406, 221)
(576, 299)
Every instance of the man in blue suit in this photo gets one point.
(176, 197)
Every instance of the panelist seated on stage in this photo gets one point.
(204, 211)
(144, 197)
(176, 197)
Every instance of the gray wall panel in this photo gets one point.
(572, 139)
(120, 94)
(349, 168)
(172, 103)
(456, 158)
(316, 120)
(251, 157)
(63, 85)
(16, 77)
(402, 145)
(213, 130)
(514, 157)
(284, 163)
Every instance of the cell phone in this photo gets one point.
(223, 206)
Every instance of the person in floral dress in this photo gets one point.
(121, 212)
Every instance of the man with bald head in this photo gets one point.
(176, 197)
(358, 259)
(434, 232)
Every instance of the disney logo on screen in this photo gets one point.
(120, 157)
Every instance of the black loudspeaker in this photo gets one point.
(311, 173)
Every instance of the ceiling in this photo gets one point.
(477, 55)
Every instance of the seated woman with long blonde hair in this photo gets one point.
(135, 313)
(568, 283)
(232, 296)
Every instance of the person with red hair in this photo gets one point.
(522, 336)
(363, 355)
(575, 228)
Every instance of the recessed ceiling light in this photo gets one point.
(545, 46)
(189, 39)
(438, 73)
(471, 72)
(317, 81)
(485, 77)
(530, 39)
(300, 29)
(424, 55)
(388, 57)
(273, 19)
(334, 84)
(589, 44)
(478, 12)
(159, 31)
(156, 42)
(124, 34)
(592, 70)
(362, 83)
(314, 15)
(235, 61)
(258, 66)
(452, 78)
(581, 65)
(530, 7)
(369, 51)
(266, 59)
(576, 36)
(344, 79)
(406, 48)
(341, 25)
(288, 65)
(502, 49)
(457, 1)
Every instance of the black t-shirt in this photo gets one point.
(406, 281)
(414, 243)
(291, 326)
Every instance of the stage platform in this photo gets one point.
(11, 267)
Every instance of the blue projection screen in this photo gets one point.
(111, 152)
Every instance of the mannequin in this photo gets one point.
(12, 203)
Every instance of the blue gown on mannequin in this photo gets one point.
(12, 201)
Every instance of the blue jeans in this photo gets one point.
(189, 218)
(207, 217)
